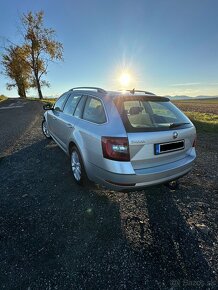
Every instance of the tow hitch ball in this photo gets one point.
(173, 185)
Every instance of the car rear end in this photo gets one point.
(158, 144)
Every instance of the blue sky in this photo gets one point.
(167, 46)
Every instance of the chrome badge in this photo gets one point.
(175, 135)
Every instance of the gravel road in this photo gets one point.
(57, 235)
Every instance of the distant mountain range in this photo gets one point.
(190, 98)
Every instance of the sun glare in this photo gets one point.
(125, 79)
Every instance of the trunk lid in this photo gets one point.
(142, 147)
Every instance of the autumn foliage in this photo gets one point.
(26, 64)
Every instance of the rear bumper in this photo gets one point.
(143, 177)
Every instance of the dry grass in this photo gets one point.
(2, 98)
(203, 113)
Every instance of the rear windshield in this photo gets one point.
(154, 114)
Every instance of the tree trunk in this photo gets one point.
(39, 92)
(39, 87)
(21, 92)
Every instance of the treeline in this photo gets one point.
(26, 64)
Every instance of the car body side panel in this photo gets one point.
(50, 118)
(66, 127)
(87, 137)
(88, 140)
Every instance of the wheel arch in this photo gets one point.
(71, 144)
(76, 140)
(85, 163)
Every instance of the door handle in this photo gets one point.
(69, 125)
(54, 118)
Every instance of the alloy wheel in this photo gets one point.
(76, 166)
(45, 129)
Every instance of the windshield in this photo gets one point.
(142, 114)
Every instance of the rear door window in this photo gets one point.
(94, 111)
(71, 104)
(79, 109)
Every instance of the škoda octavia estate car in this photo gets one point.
(122, 139)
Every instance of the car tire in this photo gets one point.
(77, 167)
(45, 129)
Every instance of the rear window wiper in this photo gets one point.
(174, 125)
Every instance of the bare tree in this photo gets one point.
(41, 46)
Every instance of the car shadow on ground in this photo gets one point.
(57, 235)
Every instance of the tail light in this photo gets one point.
(115, 148)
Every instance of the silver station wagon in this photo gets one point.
(121, 139)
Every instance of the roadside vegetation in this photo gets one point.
(45, 100)
(2, 98)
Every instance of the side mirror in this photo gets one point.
(48, 106)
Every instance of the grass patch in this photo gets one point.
(50, 100)
(204, 122)
(2, 98)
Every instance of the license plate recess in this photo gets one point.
(167, 147)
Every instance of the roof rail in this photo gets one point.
(133, 91)
(99, 90)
